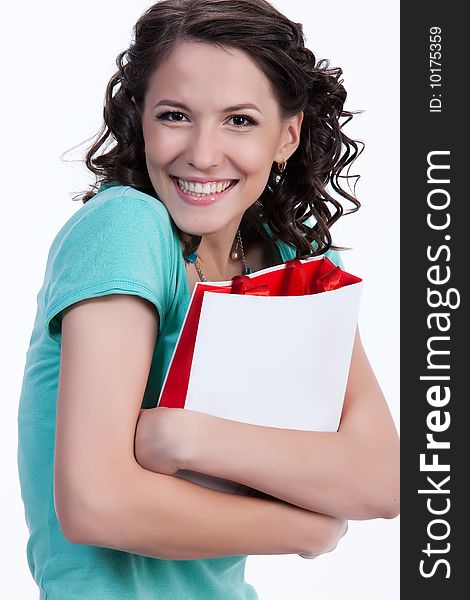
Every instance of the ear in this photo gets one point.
(290, 137)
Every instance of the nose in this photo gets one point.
(204, 148)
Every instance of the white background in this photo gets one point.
(56, 61)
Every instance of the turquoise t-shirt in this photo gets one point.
(121, 242)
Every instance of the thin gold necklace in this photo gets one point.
(194, 258)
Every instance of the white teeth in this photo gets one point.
(203, 188)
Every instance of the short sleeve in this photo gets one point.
(287, 252)
(335, 258)
(332, 255)
(120, 246)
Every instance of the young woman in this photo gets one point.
(226, 138)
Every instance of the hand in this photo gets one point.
(327, 536)
(167, 438)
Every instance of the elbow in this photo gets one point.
(73, 529)
(75, 534)
(81, 522)
(381, 495)
(391, 505)
(92, 515)
(379, 508)
(393, 510)
(388, 505)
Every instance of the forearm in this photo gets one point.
(166, 517)
(332, 473)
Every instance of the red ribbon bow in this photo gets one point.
(295, 283)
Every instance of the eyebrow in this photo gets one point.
(169, 102)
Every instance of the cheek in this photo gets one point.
(255, 158)
(256, 168)
(160, 146)
(159, 151)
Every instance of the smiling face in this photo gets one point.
(193, 132)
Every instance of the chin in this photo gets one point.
(200, 226)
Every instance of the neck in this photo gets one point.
(214, 254)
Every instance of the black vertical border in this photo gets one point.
(422, 132)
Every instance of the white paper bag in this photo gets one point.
(292, 353)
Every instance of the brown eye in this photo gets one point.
(250, 123)
(163, 116)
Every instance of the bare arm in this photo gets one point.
(104, 498)
(166, 517)
(350, 474)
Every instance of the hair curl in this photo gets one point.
(299, 84)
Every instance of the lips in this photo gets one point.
(202, 200)
(195, 181)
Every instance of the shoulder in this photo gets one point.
(120, 241)
(118, 222)
(117, 216)
(125, 203)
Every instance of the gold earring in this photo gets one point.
(281, 166)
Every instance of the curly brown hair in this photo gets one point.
(299, 83)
